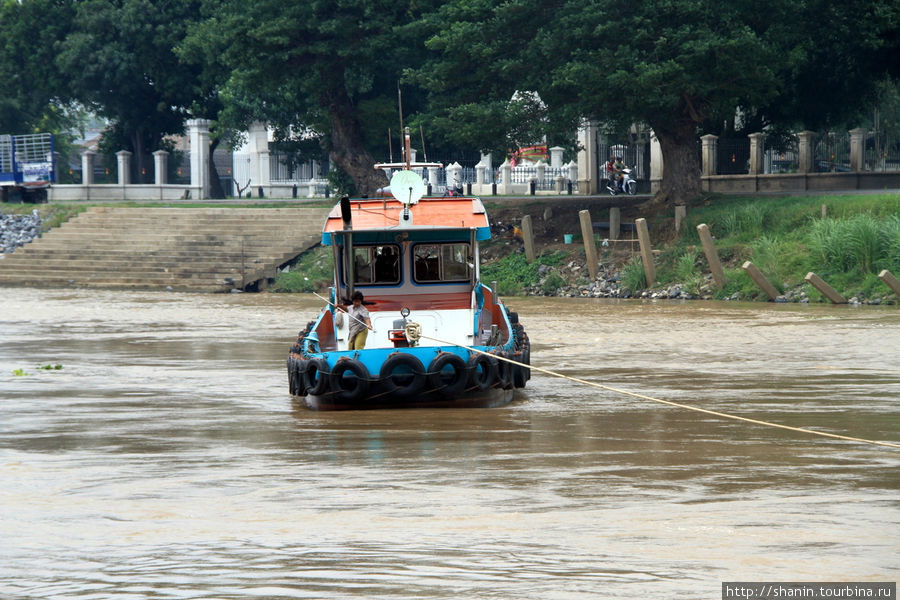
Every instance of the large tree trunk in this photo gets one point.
(215, 184)
(681, 163)
(347, 149)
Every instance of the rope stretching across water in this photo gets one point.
(675, 404)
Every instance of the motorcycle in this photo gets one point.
(627, 186)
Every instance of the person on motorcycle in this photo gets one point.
(610, 169)
(618, 168)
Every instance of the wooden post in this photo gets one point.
(888, 278)
(615, 222)
(712, 257)
(590, 246)
(824, 210)
(646, 251)
(760, 280)
(528, 237)
(680, 214)
(826, 289)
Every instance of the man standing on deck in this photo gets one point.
(360, 323)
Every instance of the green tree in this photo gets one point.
(32, 96)
(120, 62)
(316, 70)
(672, 64)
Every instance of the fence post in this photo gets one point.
(615, 222)
(528, 237)
(161, 166)
(757, 153)
(760, 280)
(680, 214)
(123, 164)
(888, 278)
(590, 246)
(87, 167)
(857, 150)
(198, 130)
(710, 154)
(806, 146)
(712, 257)
(826, 289)
(646, 251)
(506, 177)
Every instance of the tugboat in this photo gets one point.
(435, 335)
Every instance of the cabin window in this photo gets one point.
(441, 262)
(376, 265)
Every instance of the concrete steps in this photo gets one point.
(187, 249)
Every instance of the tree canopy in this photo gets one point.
(482, 74)
(676, 65)
(321, 70)
(33, 94)
(119, 60)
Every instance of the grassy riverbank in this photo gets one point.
(785, 237)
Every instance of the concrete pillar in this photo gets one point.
(760, 280)
(258, 147)
(712, 257)
(827, 291)
(161, 166)
(858, 150)
(528, 237)
(587, 158)
(806, 145)
(646, 251)
(454, 175)
(656, 164)
(199, 136)
(757, 153)
(123, 164)
(680, 214)
(573, 171)
(615, 222)
(505, 177)
(590, 246)
(541, 169)
(556, 157)
(889, 280)
(87, 167)
(709, 155)
(479, 173)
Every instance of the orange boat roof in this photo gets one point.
(384, 213)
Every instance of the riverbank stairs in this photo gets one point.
(183, 249)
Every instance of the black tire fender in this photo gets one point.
(482, 371)
(436, 375)
(338, 382)
(405, 362)
(519, 375)
(504, 372)
(316, 377)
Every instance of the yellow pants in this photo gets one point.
(358, 341)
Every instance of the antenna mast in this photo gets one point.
(400, 108)
(406, 144)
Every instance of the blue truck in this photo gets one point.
(27, 167)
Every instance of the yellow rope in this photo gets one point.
(676, 404)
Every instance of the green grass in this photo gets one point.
(513, 273)
(787, 237)
(312, 271)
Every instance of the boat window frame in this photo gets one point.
(372, 253)
(442, 265)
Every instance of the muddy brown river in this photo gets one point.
(165, 459)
